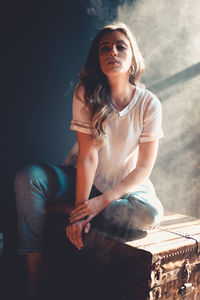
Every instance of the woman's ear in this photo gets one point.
(132, 70)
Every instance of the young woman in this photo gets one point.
(106, 175)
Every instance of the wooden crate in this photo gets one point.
(162, 265)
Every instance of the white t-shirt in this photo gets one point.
(139, 121)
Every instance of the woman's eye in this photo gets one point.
(120, 47)
(104, 49)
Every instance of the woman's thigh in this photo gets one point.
(129, 214)
(46, 182)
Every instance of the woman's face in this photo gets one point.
(115, 54)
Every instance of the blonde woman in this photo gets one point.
(106, 175)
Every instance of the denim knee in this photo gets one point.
(132, 213)
(48, 182)
(31, 174)
(147, 215)
(31, 183)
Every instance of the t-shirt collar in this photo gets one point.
(131, 104)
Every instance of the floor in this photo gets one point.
(60, 284)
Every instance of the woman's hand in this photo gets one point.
(74, 233)
(89, 209)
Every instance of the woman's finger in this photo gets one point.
(87, 228)
(85, 210)
(77, 217)
(88, 220)
(73, 235)
(79, 207)
(82, 206)
(80, 213)
(79, 238)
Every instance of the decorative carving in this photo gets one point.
(186, 289)
(157, 293)
(157, 271)
(187, 269)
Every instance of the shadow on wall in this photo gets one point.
(179, 77)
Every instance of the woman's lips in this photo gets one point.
(113, 62)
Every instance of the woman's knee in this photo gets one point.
(32, 175)
(147, 218)
(46, 182)
(31, 187)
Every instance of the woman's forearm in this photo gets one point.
(86, 168)
(146, 158)
(126, 185)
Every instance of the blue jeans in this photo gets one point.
(38, 185)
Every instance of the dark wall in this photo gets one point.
(44, 46)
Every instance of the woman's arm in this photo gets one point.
(86, 168)
(146, 159)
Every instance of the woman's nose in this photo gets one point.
(112, 52)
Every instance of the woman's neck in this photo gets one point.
(121, 92)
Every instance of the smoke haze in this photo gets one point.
(169, 38)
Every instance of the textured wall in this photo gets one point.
(42, 51)
(169, 37)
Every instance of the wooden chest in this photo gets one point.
(162, 265)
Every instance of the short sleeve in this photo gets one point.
(152, 120)
(80, 117)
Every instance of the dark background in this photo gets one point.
(43, 48)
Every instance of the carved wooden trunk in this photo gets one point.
(162, 265)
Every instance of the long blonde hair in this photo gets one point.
(97, 92)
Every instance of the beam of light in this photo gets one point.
(181, 76)
(169, 38)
